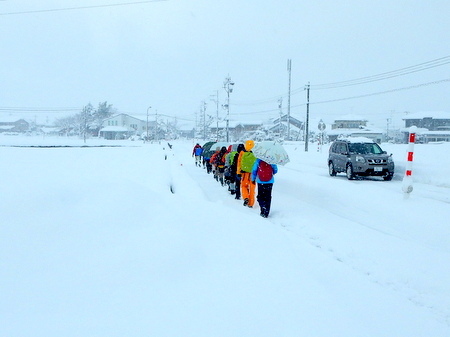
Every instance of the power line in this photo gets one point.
(386, 75)
(28, 109)
(385, 91)
(353, 97)
(79, 7)
(358, 81)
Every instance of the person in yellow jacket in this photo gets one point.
(245, 163)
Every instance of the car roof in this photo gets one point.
(355, 140)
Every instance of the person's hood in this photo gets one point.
(240, 148)
(230, 148)
(249, 144)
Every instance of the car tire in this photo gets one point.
(388, 177)
(331, 169)
(349, 172)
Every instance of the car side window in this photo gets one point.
(342, 148)
(333, 147)
(337, 147)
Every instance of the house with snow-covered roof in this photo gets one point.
(13, 125)
(122, 126)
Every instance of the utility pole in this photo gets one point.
(204, 119)
(307, 118)
(280, 106)
(85, 125)
(146, 139)
(87, 110)
(289, 69)
(228, 86)
(217, 113)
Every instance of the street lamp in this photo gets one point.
(146, 139)
(228, 86)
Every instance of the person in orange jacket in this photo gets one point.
(235, 171)
(245, 163)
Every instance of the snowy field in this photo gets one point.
(94, 243)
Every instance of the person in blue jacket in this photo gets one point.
(197, 152)
(262, 173)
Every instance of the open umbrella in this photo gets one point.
(209, 149)
(271, 152)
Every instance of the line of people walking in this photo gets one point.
(242, 172)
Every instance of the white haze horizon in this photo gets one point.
(174, 55)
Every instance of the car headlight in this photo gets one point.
(390, 159)
(360, 159)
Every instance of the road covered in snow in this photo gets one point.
(136, 240)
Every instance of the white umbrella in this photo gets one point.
(271, 152)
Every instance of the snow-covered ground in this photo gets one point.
(136, 240)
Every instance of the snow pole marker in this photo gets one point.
(407, 185)
(169, 169)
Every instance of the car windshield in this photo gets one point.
(364, 148)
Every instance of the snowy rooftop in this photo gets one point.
(357, 139)
(347, 131)
(114, 128)
(428, 114)
(351, 117)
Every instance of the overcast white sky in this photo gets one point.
(174, 54)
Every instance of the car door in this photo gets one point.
(341, 156)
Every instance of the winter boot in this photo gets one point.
(232, 188)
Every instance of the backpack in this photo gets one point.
(219, 159)
(247, 161)
(265, 171)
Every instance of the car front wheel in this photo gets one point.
(331, 169)
(349, 172)
(388, 177)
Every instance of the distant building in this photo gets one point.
(280, 127)
(354, 126)
(13, 125)
(432, 126)
(349, 122)
(122, 126)
(237, 131)
(243, 131)
(432, 121)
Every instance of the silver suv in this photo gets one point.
(359, 157)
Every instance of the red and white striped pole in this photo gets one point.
(407, 180)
